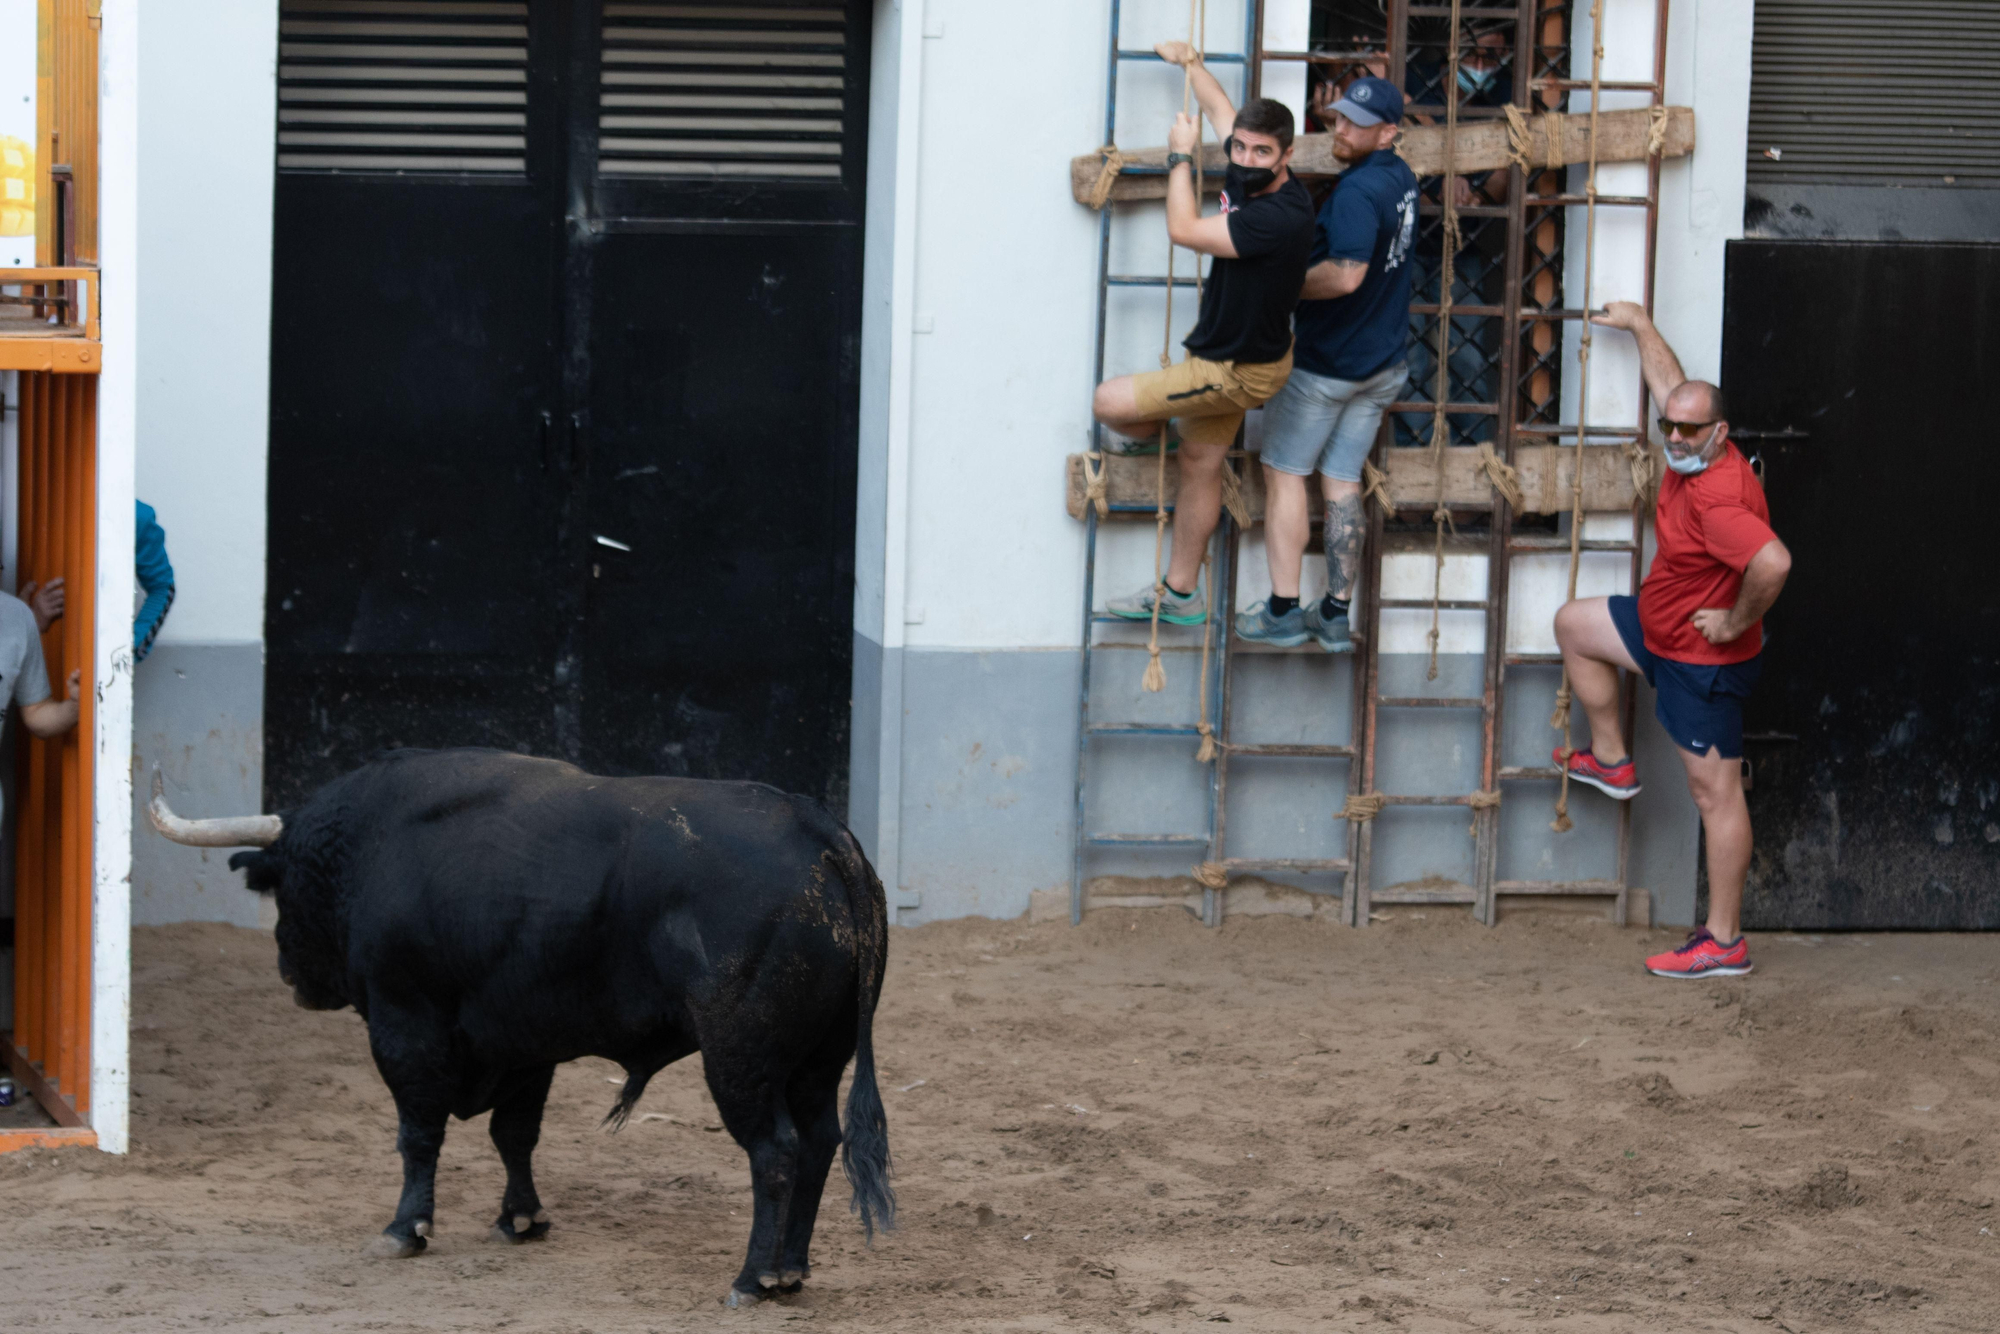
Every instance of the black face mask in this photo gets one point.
(1241, 182)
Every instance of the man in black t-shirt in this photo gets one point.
(1240, 351)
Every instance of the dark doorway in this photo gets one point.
(1875, 730)
(565, 386)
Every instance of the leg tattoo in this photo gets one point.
(1343, 545)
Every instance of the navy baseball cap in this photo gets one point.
(1370, 101)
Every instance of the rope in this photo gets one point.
(1562, 823)
(1094, 487)
(1447, 277)
(1363, 806)
(1107, 176)
(1656, 133)
(1644, 471)
(1375, 482)
(1520, 140)
(1556, 125)
(1485, 799)
(1502, 475)
(1211, 875)
(1155, 678)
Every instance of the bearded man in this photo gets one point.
(1347, 367)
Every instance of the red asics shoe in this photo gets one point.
(1620, 782)
(1703, 956)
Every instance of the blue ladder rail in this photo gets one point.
(1087, 731)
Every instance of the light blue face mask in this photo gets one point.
(1687, 465)
(1475, 81)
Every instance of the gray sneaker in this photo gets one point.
(1332, 632)
(1174, 609)
(1259, 626)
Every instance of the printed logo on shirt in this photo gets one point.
(1406, 231)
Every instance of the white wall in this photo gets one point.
(205, 169)
(1003, 317)
(111, 853)
(205, 163)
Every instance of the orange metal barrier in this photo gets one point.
(57, 501)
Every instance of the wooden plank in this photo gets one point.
(48, 1137)
(1482, 146)
(1545, 470)
(29, 1078)
(67, 356)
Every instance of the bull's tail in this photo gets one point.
(864, 1149)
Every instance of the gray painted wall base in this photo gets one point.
(197, 713)
(988, 755)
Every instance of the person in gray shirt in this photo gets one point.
(24, 677)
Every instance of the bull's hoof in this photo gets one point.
(389, 1246)
(520, 1227)
(742, 1297)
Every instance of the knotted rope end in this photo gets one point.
(1107, 176)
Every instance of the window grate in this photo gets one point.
(731, 91)
(403, 86)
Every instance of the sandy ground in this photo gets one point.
(1135, 1125)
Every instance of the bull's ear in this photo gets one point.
(260, 868)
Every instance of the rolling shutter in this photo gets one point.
(422, 86)
(737, 91)
(1876, 92)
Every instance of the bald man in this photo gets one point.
(1695, 631)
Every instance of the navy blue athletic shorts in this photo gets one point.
(1699, 703)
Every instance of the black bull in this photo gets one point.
(491, 916)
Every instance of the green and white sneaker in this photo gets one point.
(1259, 626)
(1333, 632)
(1174, 609)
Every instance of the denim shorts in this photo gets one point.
(1699, 703)
(1320, 424)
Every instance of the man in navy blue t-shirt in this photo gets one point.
(1349, 333)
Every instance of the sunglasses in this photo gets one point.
(1688, 430)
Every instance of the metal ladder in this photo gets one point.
(1088, 730)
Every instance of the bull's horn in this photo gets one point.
(241, 831)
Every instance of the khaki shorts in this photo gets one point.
(1209, 398)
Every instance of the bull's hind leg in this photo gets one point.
(753, 1106)
(516, 1127)
(815, 1105)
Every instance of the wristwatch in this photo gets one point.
(1175, 159)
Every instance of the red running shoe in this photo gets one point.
(1703, 956)
(1620, 782)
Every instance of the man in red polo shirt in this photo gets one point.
(1694, 631)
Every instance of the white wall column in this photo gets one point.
(117, 432)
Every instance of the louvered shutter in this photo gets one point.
(1875, 92)
(737, 91)
(403, 86)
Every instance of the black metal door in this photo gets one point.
(1875, 730)
(564, 386)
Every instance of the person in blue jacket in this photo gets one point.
(155, 574)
